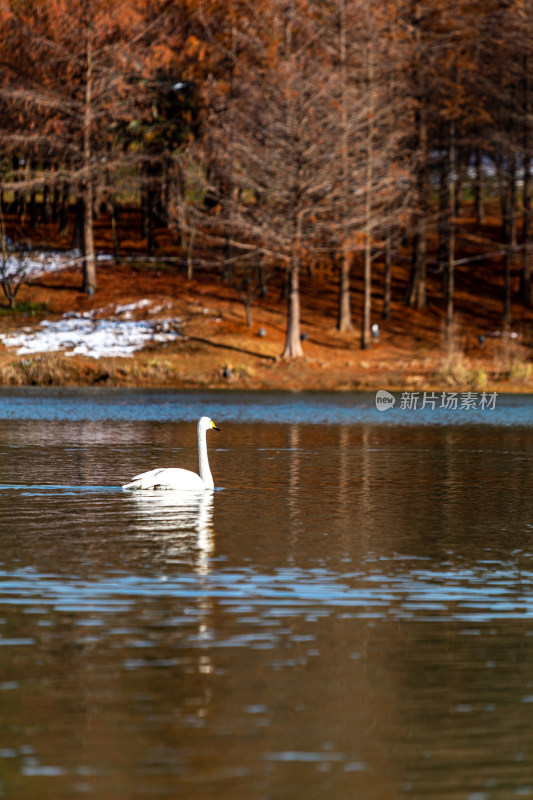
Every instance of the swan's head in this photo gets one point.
(206, 424)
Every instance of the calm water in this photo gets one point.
(349, 615)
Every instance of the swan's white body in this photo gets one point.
(180, 479)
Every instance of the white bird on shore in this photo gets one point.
(180, 479)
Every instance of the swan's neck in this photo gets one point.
(205, 472)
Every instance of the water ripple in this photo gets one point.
(322, 408)
(453, 595)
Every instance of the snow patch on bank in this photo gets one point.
(81, 334)
(28, 265)
(102, 332)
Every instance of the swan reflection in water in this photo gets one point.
(180, 521)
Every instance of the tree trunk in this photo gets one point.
(367, 265)
(416, 291)
(385, 312)
(149, 206)
(15, 165)
(55, 203)
(509, 231)
(115, 229)
(369, 177)
(502, 195)
(367, 296)
(479, 187)
(32, 207)
(89, 260)
(44, 204)
(460, 172)
(149, 199)
(21, 201)
(512, 203)
(190, 250)
(43, 216)
(248, 311)
(63, 210)
(452, 208)
(79, 225)
(507, 260)
(525, 276)
(444, 215)
(228, 271)
(89, 256)
(293, 342)
(344, 320)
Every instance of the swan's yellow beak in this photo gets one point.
(214, 426)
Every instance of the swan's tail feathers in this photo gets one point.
(132, 485)
(146, 480)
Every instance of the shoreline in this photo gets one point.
(211, 347)
(162, 370)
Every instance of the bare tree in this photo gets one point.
(363, 135)
(344, 320)
(14, 267)
(269, 140)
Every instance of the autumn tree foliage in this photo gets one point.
(277, 134)
(82, 81)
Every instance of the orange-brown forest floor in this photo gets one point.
(218, 350)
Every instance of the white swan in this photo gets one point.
(181, 479)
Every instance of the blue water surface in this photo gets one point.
(323, 408)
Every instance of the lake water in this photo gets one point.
(349, 615)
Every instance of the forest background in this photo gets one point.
(358, 171)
